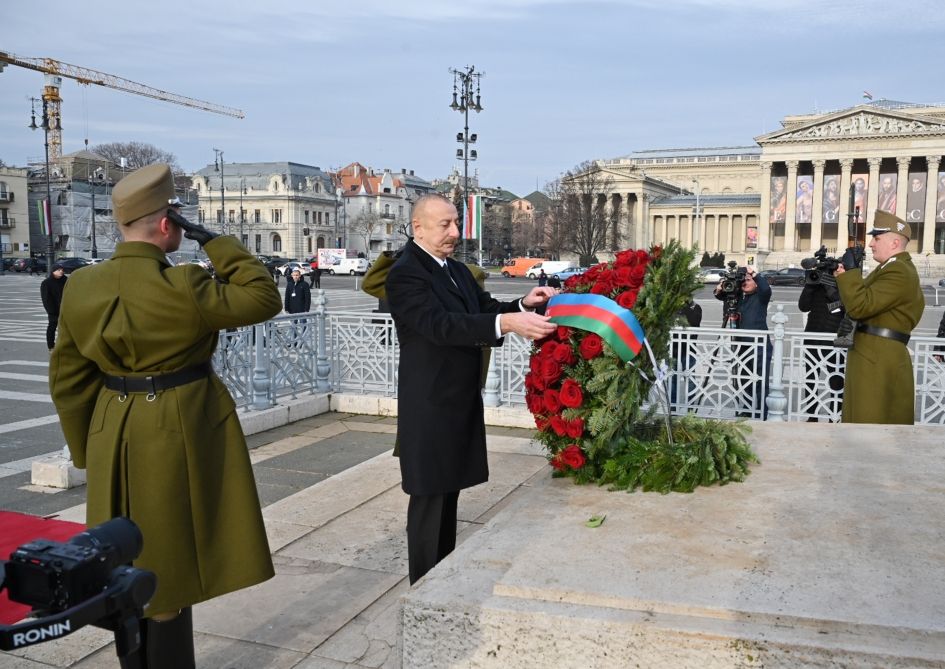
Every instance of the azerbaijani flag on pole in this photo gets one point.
(472, 217)
(602, 316)
(45, 216)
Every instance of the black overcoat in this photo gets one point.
(442, 328)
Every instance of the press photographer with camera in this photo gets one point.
(887, 305)
(144, 413)
(820, 300)
(746, 295)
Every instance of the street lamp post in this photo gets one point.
(47, 207)
(218, 167)
(463, 102)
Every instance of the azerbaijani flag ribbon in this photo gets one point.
(472, 217)
(600, 315)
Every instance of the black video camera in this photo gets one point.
(732, 280)
(820, 267)
(84, 581)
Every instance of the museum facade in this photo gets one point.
(817, 181)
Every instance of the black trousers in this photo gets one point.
(51, 331)
(431, 531)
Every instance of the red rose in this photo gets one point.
(575, 428)
(564, 355)
(557, 462)
(656, 252)
(602, 287)
(548, 348)
(534, 364)
(550, 370)
(591, 346)
(570, 394)
(541, 422)
(636, 276)
(551, 401)
(564, 333)
(643, 257)
(627, 299)
(623, 275)
(559, 425)
(533, 402)
(625, 259)
(573, 456)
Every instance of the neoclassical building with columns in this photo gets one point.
(815, 181)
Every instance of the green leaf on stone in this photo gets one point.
(595, 521)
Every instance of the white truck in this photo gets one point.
(550, 267)
(350, 266)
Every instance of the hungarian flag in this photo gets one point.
(867, 95)
(45, 216)
(472, 217)
(601, 315)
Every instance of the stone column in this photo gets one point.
(790, 229)
(873, 197)
(844, 218)
(643, 220)
(817, 213)
(902, 186)
(931, 186)
(764, 215)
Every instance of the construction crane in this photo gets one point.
(55, 70)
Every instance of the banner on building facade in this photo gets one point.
(831, 205)
(940, 201)
(45, 217)
(778, 200)
(915, 197)
(751, 238)
(804, 199)
(887, 192)
(861, 190)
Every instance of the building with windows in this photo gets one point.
(14, 212)
(816, 181)
(276, 208)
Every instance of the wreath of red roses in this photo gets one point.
(559, 365)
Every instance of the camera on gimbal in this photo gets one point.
(85, 581)
(732, 280)
(821, 267)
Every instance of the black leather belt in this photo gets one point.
(883, 332)
(157, 382)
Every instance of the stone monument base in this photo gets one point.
(830, 554)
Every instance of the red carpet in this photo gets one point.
(17, 529)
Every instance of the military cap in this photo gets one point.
(886, 222)
(143, 192)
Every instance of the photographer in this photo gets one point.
(747, 308)
(887, 305)
(816, 300)
(143, 412)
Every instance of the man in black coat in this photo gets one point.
(821, 361)
(51, 292)
(443, 321)
(298, 295)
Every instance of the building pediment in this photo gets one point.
(859, 122)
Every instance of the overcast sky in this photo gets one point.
(327, 84)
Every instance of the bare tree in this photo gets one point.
(136, 154)
(364, 225)
(578, 220)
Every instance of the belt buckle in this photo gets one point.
(153, 394)
(123, 393)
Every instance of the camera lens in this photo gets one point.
(118, 537)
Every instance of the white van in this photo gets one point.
(550, 267)
(350, 266)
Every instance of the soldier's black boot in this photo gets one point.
(171, 643)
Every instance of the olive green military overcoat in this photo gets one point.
(879, 387)
(177, 465)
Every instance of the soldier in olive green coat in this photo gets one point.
(170, 455)
(887, 305)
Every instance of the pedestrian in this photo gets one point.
(554, 281)
(50, 290)
(298, 295)
(316, 275)
(823, 359)
(542, 278)
(443, 321)
(887, 305)
(144, 413)
(750, 313)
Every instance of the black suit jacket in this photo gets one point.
(441, 327)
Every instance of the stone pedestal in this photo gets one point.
(829, 554)
(56, 471)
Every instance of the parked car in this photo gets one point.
(566, 274)
(350, 266)
(789, 276)
(69, 265)
(33, 265)
(292, 265)
(202, 262)
(8, 263)
(272, 263)
(710, 274)
(549, 266)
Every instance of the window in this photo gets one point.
(277, 216)
(400, 211)
(231, 216)
(327, 217)
(258, 242)
(387, 209)
(306, 217)
(318, 189)
(256, 216)
(276, 243)
(319, 218)
(390, 228)
(309, 240)
(201, 216)
(220, 216)
(3, 191)
(387, 190)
